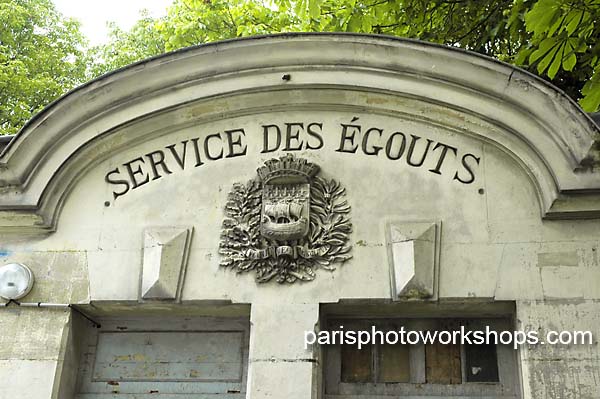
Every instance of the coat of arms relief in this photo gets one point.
(286, 223)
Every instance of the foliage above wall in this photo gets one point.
(42, 54)
(41, 57)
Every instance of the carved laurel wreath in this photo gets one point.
(326, 243)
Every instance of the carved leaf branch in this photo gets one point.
(330, 225)
(241, 226)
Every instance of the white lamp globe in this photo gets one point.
(16, 281)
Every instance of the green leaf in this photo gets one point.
(522, 56)
(354, 23)
(591, 99)
(556, 61)
(569, 61)
(366, 24)
(573, 19)
(314, 8)
(546, 46)
(550, 61)
(299, 8)
(542, 16)
(591, 93)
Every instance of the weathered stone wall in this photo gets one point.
(493, 246)
(560, 371)
(30, 348)
(85, 240)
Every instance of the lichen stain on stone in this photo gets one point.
(363, 243)
(139, 357)
(417, 291)
(449, 113)
(413, 293)
(126, 358)
(376, 100)
(204, 109)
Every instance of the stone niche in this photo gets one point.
(380, 179)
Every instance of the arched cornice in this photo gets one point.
(535, 123)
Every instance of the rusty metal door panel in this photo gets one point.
(169, 356)
(159, 396)
(197, 357)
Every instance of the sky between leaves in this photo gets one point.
(94, 15)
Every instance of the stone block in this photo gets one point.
(413, 250)
(164, 261)
(26, 378)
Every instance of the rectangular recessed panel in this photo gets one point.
(356, 364)
(442, 364)
(394, 363)
(481, 363)
(169, 356)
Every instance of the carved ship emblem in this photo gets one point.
(284, 221)
(285, 212)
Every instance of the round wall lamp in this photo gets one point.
(16, 281)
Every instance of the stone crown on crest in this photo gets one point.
(287, 167)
